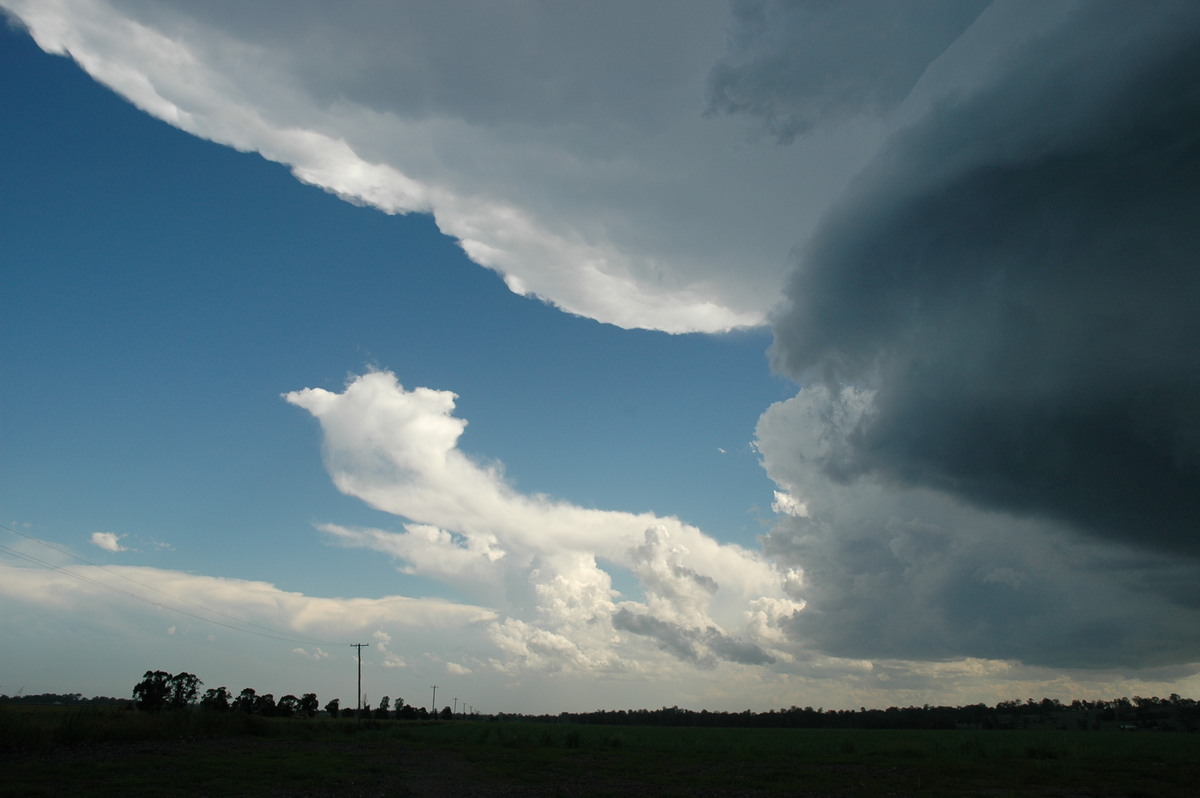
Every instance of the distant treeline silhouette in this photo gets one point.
(160, 690)
(67, 699)
(1169, 714)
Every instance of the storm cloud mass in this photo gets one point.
(1015, 281)
(786, 63)
(971, 226)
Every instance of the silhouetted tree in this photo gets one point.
(153, 692)
(288, 706)
(245, 701)
(308, 704)
(265, 705)
(332, 707)
(447, 713)
(216, 699)
(184, 689)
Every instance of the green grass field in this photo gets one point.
(99, 751)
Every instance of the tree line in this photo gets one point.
(159, 691)
(1173, 713)
(1166, 714)
(65, 699)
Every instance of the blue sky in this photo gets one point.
(159, 270)
(574, 389)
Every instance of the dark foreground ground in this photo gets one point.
(524, 761)
(260, 767)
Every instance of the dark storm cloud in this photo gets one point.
(1016, 278)
(882, 587)
(793, 65)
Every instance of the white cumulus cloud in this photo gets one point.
(109, 541)
(540, 561)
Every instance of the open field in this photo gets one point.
(51, 751)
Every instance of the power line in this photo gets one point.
(269, 632)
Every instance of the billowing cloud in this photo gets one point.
(397, 450)
(1013, 282)
(994, 456)
(109, 541)
(564, 146)
(540, 560)
(908, 573)
(992, 466)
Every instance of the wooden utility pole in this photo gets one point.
(360, 647)
(434, 699)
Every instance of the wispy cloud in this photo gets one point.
(240, 605)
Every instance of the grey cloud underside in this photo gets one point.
(883, 587)
(796, 65)
(699, 646)
(486, 63)
(1016, 277)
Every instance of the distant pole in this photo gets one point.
(456, 706)
(434, 707)
(360, 647)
